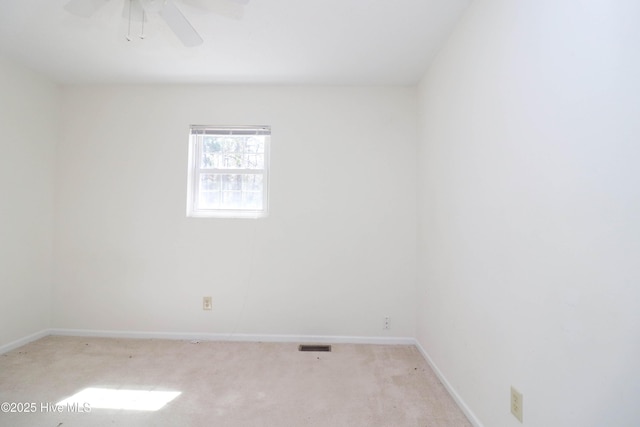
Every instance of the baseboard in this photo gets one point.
(22, 341)
(234, 337)
(454, 394)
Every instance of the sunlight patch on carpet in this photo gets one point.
(135, 400)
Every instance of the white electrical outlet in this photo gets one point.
(516, 404)
(206, 303)
(387, 323)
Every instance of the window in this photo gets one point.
(228, 171)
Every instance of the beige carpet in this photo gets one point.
(225, 384)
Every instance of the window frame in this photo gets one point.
(195, 171)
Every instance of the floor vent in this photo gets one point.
(304, 347)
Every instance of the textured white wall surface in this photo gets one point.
(529, 207)
(335, 255)
(28, 135)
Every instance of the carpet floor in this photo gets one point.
(122, 383)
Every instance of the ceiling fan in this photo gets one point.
(140, 9)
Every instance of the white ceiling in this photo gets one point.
(358, 42)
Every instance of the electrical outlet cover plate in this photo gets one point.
(206, 303)
(516, 404)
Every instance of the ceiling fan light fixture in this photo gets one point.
(166, 9)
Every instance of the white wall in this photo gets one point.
(529, 211)
(28, 134)
(335, 256)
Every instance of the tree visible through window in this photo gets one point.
(228, 171)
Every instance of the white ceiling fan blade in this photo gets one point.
(175, 20)
(180, 25)
(84, 8)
